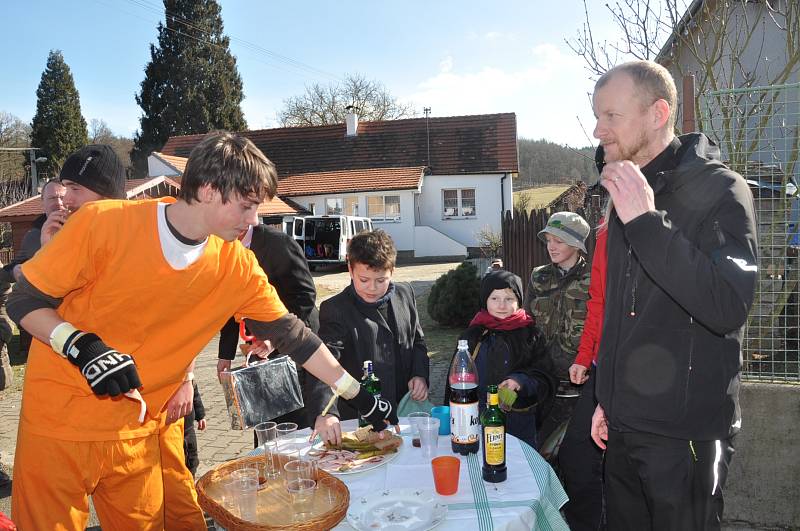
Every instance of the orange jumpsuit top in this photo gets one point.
(107, 265)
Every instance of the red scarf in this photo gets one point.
(518, 319)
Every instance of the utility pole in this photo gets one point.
(34, 173)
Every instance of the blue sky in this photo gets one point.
(457, 57)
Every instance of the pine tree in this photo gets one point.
(58, 128)
(191, 83)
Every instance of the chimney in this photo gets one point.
(351, 118)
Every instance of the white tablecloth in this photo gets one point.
(529, 499)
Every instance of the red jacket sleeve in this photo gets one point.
(593, 326)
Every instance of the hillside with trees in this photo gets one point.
(542, 162)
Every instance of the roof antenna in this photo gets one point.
(427, 111)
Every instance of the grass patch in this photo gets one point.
(541, 196)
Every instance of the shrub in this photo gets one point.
(453, 300)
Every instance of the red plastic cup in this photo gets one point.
(445, 474)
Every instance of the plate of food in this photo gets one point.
(396, 510)
(360, 450)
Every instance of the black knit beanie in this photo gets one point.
(500, 280)
(98, 168)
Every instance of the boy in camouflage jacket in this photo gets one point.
(556, 298)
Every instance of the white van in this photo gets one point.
(324, 239)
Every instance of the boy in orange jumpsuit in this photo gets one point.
(121, 314)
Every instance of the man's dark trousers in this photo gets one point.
(657, 483)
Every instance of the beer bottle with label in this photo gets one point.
(371, 383)
(465, 428)
(493, 424)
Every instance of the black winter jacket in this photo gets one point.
(356, 332)
(680, 284)
(520, 354)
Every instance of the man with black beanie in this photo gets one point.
(92, 173)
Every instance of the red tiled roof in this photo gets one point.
(458, 144)
(351, 181)
(133, 188)
(178, 163)
(278, 207)
(27, 207)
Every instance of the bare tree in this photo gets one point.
(725, 45)
(522, 201)
(14, 133)
(743, 54)
(489, 242)
(100, 132)
(326, 104)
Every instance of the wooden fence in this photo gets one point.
(522, 248)
(6, 255)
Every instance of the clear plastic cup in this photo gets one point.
(287, 446)
(301, 492)
(428, 436)
(413, 420)
(246, 484)
(297, 469)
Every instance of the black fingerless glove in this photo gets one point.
(374, 410)
(107, 371)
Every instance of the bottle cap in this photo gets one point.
(463, 344)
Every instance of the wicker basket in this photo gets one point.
(330, 502)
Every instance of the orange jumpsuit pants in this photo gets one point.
(140, 484)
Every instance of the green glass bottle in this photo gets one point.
(371, 383)
(493, 425)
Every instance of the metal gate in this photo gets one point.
(757, 131)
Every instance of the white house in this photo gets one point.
(432, 184)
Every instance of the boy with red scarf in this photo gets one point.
(509, 351)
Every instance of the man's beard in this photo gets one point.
(637, 151)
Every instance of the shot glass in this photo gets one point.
(428, 435)
(413, 421)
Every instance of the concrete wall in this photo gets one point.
(156, 167)
(430, 242)
(764, 482)
(488, 205)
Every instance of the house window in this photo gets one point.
(383, 207)
(351, 206)
(334, 206)
(458, 203)
(312, 207)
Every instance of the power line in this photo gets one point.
(297, 66)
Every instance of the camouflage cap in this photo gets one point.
(568, 227)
